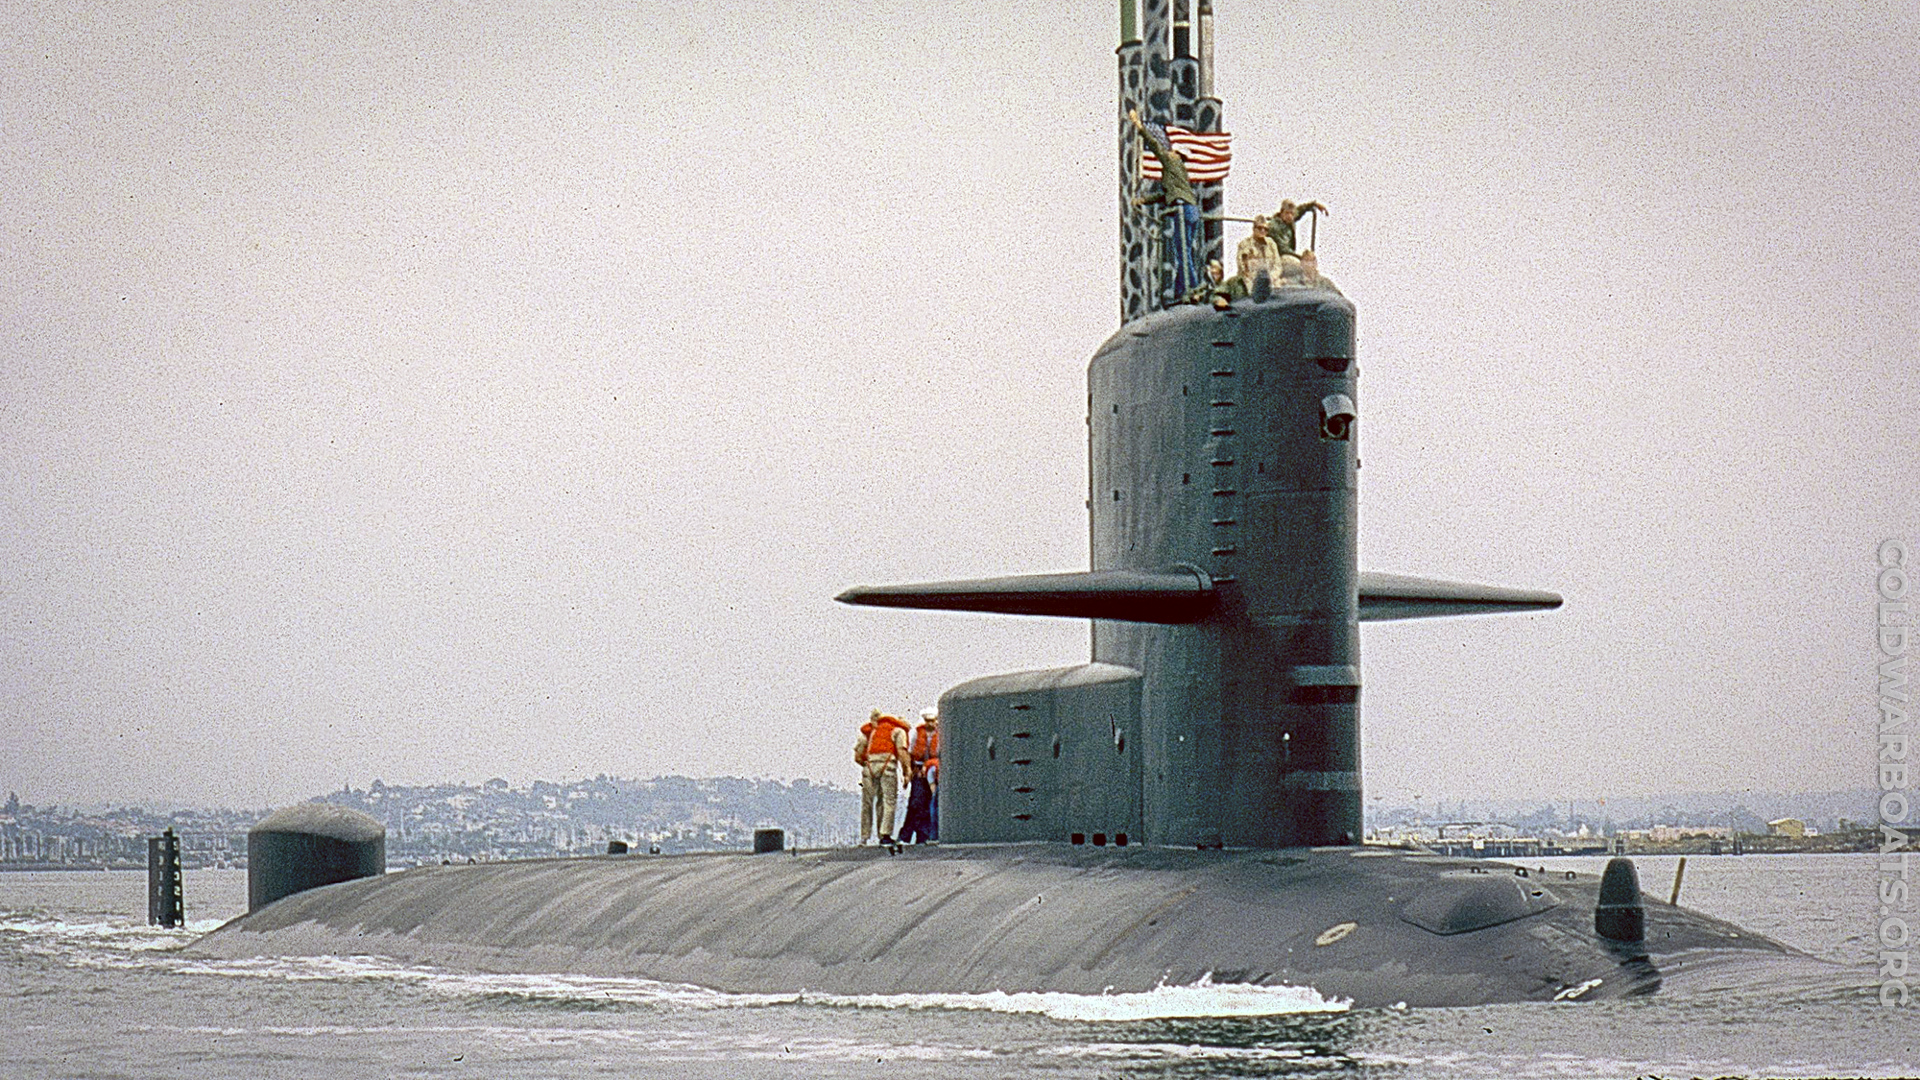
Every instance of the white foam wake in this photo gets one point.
(1203, 998)
(121, 943)
(94, 943)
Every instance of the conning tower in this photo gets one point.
(1226, 442)
(1221, 706)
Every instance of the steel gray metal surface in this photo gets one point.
(310, 845)
(1224, 582)
(1373, 926)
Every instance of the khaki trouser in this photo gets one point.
(879, 787)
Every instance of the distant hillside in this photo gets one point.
(674, 813)
(678, 813)
(1747, 810)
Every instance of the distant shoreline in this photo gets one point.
(1833, 845)
(78, 867)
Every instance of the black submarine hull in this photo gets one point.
(1367, 926)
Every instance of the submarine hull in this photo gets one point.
(1369, 926)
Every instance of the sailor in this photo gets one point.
(881, 753)
(1220, 293)
(1292, 274)
(1176, 191)
(933, 799)
(1280, 228)
(926, 737)
(917, 826)
(1258, 252)
(926, 758)
(1310, 274)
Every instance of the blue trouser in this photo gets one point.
(1185, 249)
(918, 828)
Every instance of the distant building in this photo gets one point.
(1670, 834)
(1788, 826)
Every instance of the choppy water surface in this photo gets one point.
(90, 991)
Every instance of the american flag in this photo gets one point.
(1208, 154)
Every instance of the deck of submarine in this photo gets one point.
(1024, 917)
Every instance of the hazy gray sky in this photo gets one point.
(443, 393)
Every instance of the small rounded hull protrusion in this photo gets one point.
(1619, 914)
(307, 846)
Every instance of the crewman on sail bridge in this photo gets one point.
(1175, 190)
(1310, 274)
(1258, 252)
(1280, 226)
(1219, 291)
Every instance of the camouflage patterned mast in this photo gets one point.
(1213, 197)
(1136, 246)
(1166, 73)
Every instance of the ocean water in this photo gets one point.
(88, 990)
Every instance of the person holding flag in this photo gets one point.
(1176, 191)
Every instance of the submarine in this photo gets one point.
(1183, 808)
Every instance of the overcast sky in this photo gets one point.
(435, 392)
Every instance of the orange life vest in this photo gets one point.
(926, 744)
(880, 743)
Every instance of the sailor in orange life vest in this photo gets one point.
(885, 768)
(926, 752)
